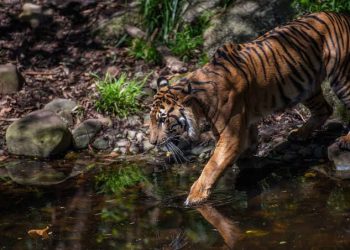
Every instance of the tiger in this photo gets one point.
(245, 82)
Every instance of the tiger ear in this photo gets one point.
(187, 89)
(162, 82)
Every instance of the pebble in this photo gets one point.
(122, 143)
(147, 145)
(131, 134)
(134, 149)
(139, 137)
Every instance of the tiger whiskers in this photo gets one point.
(177, 153)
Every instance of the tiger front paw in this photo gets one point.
(343, 142)
(198, 194)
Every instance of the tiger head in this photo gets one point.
(172, 114)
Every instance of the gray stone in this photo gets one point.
(59, 104)
(31, 13)
(147, 146)
(85, 132)
(113, 71)
(196, 8)
(131, 134)
(139, 137)
(341, 160)
(134, 149)
(122, 143)
(106, 121)
(101, 143)
(41, 133)
(10, 79)
(133, 121)
(113, 29)
(123, 150)
(244, 21)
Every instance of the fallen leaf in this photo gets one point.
(256, 233)
(310, 174)
(37, 233)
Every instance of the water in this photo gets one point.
(101, 203)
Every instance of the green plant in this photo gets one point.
(161, 16)
(190, 37)
(203, 59)
(303, 6)
(140, 49)
(185, 42)
(118, 96)
(117, 180)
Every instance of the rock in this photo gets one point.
(63, 108)
(106, 121)
(101, 143)
(196, 8)
(123, 150)
(113, 71)
(33, 14)
(245, 20)
(131, 134)
(340, 112)
(59, 104)
(133, 121)
(134, 149)
(147, 146)
(341, 160)
(122, 143)
(68, 4)
(112, 30)
(203, 148)
(11, 81)
(41, 133)
(85, 132)
(139, 137)
(146, 120)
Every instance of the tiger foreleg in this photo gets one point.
(320, 111)
(228, 148)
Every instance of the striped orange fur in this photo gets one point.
(245, 82)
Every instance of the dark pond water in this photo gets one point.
(100, 203)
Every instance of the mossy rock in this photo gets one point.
(41, 134)
(340, 112)
(11, 81)
(112, 30)
(243, 21)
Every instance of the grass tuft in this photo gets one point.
(306, 6)
(140, 49)
(118, 96)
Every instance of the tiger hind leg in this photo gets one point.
(343, 93)
(320, 111)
